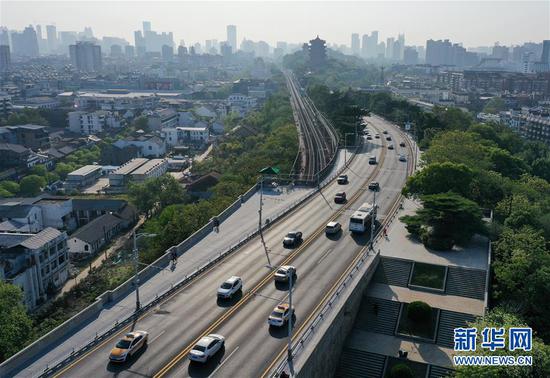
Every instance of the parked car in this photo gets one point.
(374, 185)
(128, 345)
(231, 286)
(333, 228)
(206, 347)
(284, 273)
(342, 179)
(280, 315)
(340, 197)
(292, 238)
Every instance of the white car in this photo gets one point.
(231, 286)
(128, 345)
(333, 228)
(284, 273)
(206, 348)
(280, 315)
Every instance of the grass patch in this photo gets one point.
(424, 329)
(428, 275)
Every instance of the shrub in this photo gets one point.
(401, 371)
(419, 312)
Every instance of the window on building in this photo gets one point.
(86, 247)
(60, 246)
(54, 265)
(61, 259)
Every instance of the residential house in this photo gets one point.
(57, 212)
(18, 217)
(89, 123)
(88, 209)
(203, 111)
(151, 169)
(90, 238)
(13, 156)
(149, 145)
(31, 136)
(186, 119)
(120, 177)
(36, 262)
(162, 118)
(200, 187)
(83, 176)
(241, 104)
(181, 135)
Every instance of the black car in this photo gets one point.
(374, 186)
(342, 179)
(340, 197)
(388, 137)
(385, 131)
(402, 144)
(369, 137)
(292, 238)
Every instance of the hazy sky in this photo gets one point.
(472, 23)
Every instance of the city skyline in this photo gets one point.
(443, 21)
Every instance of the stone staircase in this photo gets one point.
(356, 363)
(465, 282)
(378, 315)
(448, 321)
(394, 272)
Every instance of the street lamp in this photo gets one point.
(136, 262)
(346, 146)
(263, 172)
(373, 216)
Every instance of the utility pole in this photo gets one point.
(136, 267)
(291, 315)
(260, 220)
(373, 215)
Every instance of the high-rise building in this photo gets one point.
(167, 53)
(545, 57)
(501, 52)
(401, 39)
(51, 35)
(25, 43)
(66, 38)
(85, 56)
(396, 50)
(317, 52)
(5, 58)
(355, 44)
(364, 44)
(116, 51)
(129, 51)
(232, 37)
(372, 45)
(225, 49)
(449, 54)
(410, 56)
(4, 36)
(389, 47)
(146, 26)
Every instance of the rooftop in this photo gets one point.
(151, 164)
(130, 166)
(95, 229)
(85, 170)
(38, 240)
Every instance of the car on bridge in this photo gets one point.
(230, 287)
(292, 239)
(332, 228)
(128, 345)
(385, 131)
(402, 144)
(340, 197)
(377, 136)
(390, 147)
(372, 160)
(402, 158)
(280, 315)
(388, 138)
(206, 347)
(342, 179)
(369, 137)
(284, 273)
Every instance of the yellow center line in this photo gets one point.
(267, 278)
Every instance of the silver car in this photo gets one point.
(333, 228)
(206, 348)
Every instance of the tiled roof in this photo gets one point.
(95, 229)
(38, 240)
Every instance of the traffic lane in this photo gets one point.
(95, 362)
(248, 335)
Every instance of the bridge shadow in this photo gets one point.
(284, 286)
(198, 369)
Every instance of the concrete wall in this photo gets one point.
(322, 356)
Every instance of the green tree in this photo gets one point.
(419, 312)
(500, 318)
(39, 169)
(506, 164)
(446, 219)
(488, 188)
(10, 186)
(495, 105)
(63, 169)
(457, 147)
(32, 185)
(15, 324)
(541, 168)
(439, 178)
(401, 370)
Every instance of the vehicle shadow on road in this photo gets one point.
(284, 286)
(197, 369)
(282, 332)
(230, 301)
(336, 236)
(120, 367)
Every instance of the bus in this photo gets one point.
(361, 219)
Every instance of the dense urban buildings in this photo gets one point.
(86, 56)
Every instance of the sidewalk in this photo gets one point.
(119, 242)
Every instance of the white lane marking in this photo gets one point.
(223, 362)
(157, 336)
